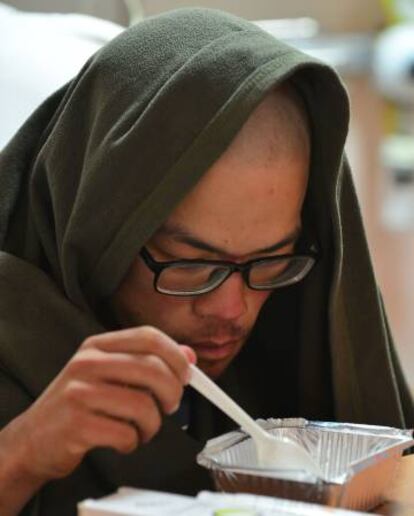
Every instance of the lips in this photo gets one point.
(213, 350)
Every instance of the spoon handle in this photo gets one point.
(218, 397)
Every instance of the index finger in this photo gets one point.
(144, 340)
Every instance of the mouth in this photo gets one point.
(210, 350)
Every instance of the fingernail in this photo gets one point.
(174, 409)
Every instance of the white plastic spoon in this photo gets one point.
(272, 452)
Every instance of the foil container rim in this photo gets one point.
(388, 431)
(403, 439)
(271, 423)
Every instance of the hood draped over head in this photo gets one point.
(100, 165)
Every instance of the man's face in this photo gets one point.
(244, 206)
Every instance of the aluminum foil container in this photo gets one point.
(357, 462)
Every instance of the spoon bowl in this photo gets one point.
(272, 452)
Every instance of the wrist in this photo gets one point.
(19, 480)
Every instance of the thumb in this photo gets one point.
(189, 353)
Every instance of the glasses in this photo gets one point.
(196, 277)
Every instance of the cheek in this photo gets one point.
(256, 299)
(136, 286)
(137, 282)
(137, 302)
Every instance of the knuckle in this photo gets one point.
(145, 403)
(153, 426)
(77, 364)
(147, 415)
(77, 447)
(153, 370)
(90, 342)
(164, 385)
(175, 395)
(128, 439)
(153, 363)
(157, 337)
(150, 331)
(85, 361)
(74, 392)
(73, 367)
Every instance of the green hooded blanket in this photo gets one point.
(97, 169)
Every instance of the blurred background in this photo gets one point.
(370, 43)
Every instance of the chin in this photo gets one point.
(213, 369)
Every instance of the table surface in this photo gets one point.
(400, 497)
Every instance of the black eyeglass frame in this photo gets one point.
(244, 268)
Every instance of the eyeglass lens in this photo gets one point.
(193, 278)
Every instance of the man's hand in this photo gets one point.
(112, 393)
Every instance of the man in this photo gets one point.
(185, 197)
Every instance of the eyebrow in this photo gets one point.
(181, 234)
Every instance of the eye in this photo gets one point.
(163, 254)
(189, 277)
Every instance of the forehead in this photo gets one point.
(253, 193)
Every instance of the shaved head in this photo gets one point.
(279, 122)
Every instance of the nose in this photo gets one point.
(228, 301)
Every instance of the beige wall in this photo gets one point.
(114, 10)
(343, 15)
(392, 251)
(332, 14)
